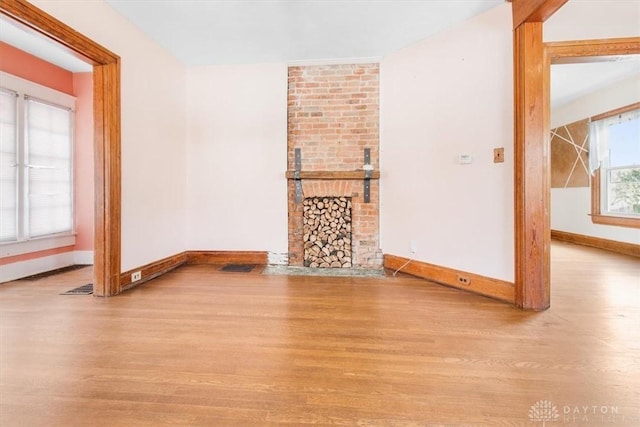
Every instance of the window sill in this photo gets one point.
(620, 221)
(35, 245)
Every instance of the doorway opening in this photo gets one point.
(106, 91)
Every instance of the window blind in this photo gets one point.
(8, 166)
(48, 158)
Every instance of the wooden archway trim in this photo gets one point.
(532, 111)
(534, 10)
(106, 92)
(531, 154)
(597, 50)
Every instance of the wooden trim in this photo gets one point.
(616, 112)
(619, 221)
(487, 286)
(596, 205)
(532, 71)
(227, 257)
(106, 83)
(45, 24)
(153, 270)
(526, 11)
(532, 111)
(106, 103)
(596, 242)
(160, 267)
(531, 175)
(577, 51)
(332, 175)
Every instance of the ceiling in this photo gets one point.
(207, 32)
(19, 36)
(571, 81)
(201, 32)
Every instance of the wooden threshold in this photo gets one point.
(487, 286)
(597, 242)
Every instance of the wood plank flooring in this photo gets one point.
(200, 347)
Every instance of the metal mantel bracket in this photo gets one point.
(367, 175)
(296, 176)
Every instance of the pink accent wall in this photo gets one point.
(83, 161)
(22, 64)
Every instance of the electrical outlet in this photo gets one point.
(413, 247)
(464, 280)
(498, 155)
(136, 276)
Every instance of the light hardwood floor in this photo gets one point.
(199, 347)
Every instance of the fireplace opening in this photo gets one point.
(327, 232)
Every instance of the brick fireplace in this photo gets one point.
(333, 116)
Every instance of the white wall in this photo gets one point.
(594, 19)
(570, 207)
(450, 94)
(619, 94)
(237, 157)
(153, 131)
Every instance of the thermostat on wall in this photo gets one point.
(465, 159)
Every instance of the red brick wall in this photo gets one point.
(333, 115)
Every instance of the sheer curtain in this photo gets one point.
(599, 137)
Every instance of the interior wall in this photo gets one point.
(619, 94)
(84, 198)
(570, 207)
(237, 158)
(449, 95)
(593, 19)
(80, 85)
(153, 95)
(24, 65)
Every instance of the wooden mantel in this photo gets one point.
(333, 175)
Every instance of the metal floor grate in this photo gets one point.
(81, 290)
(238, 268)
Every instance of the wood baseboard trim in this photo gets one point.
(160, 267)
(227, 257)
(487, 286)
(597, 242)
(152, 270)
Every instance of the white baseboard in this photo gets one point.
(275, 258)
(18, 270)
(83, 257)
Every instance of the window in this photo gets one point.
(36, 158)
(614, 158)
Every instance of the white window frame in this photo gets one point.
(598, 159)
(25, 244)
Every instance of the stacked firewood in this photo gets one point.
(327, 232)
